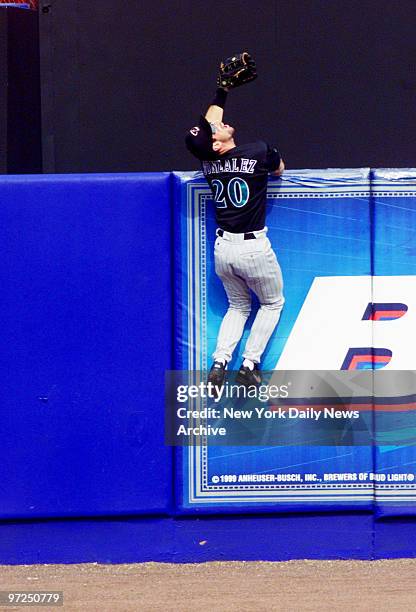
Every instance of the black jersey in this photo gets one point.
(238, 180)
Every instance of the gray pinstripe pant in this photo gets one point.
(243, 265)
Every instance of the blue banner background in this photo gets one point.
(319, 225)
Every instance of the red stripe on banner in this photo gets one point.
(387, 313)
(372, 358)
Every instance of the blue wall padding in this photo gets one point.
(394, 196)
(249, 538)
(320, 225)
(394, 538)
(86, 314)
(86, 338)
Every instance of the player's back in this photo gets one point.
(238, 179)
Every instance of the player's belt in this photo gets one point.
(247, 236)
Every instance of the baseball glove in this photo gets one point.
(237, 70)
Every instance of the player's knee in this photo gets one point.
(243, 308)
(275, 304)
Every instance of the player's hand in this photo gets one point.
(279, 170)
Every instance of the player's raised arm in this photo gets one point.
(233, 72)
(215, 110)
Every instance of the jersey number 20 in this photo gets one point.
(237, 190)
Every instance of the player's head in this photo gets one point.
(222, 137)
(209, 140)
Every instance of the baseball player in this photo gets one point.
(244, 259)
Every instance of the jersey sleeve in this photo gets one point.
(273, 158)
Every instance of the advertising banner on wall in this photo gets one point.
(320, 226)
(394, 331)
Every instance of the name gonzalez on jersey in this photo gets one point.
(243, 165)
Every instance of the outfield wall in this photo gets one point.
(108, 282)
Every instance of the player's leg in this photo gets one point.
(264, 277)
(239, 308)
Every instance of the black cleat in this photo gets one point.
(248, 377)
(216, 374)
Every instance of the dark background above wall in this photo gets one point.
(122, 82)
(20, 112)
